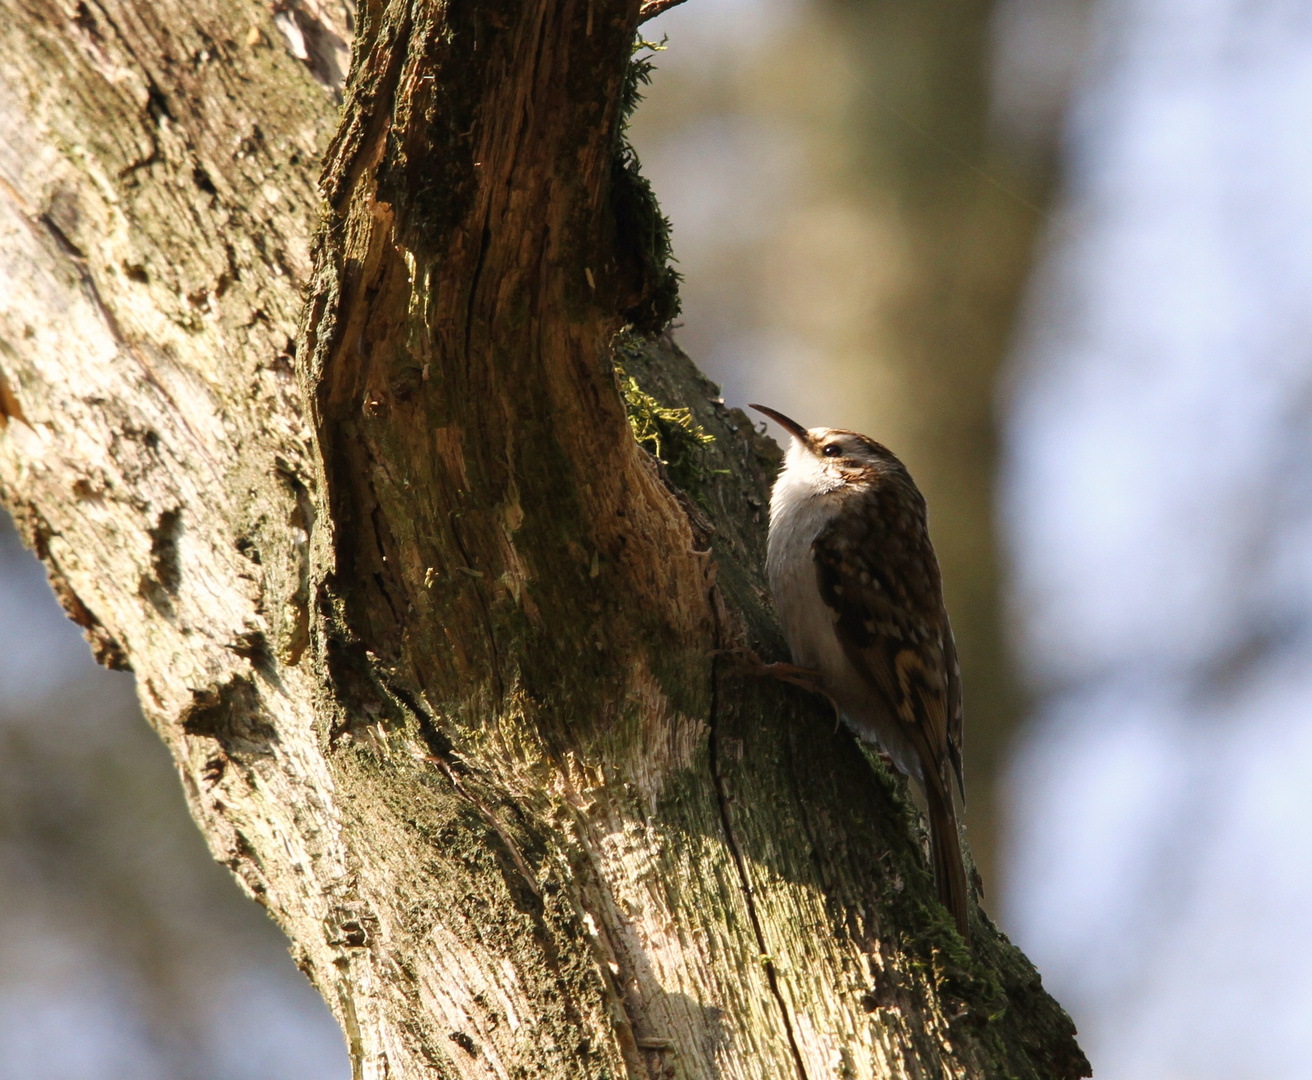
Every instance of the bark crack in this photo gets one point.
(78, 258)
(484, 242)
(74, 254)
(508, 841)
(440, 753)
(743, 880)
(482, 603)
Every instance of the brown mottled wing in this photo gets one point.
(876, 569)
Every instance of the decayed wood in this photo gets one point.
(341, 468)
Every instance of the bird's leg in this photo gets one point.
(807, 679)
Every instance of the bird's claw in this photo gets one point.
(807, 679)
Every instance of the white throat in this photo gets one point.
(804, 477)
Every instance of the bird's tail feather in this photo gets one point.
(949, 869)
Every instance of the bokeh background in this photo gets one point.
(1057, 254)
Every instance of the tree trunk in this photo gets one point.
(343, 469)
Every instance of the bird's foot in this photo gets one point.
(807, 679)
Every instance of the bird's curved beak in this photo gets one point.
(789, 425)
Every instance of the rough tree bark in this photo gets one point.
(340, 465)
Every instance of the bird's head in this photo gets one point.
(830, 457)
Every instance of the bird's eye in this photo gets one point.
(832, 450)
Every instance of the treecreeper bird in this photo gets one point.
(857, 588)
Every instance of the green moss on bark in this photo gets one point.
(643, 231)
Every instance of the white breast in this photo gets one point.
(800, 507)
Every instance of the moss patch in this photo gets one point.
(644, 232)
(669, 433)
